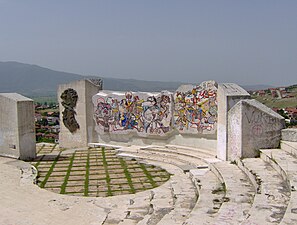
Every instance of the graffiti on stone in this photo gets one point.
(195, 108)
(144, 113)
(69, 99)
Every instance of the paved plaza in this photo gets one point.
(95, 172)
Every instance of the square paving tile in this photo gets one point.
(78, 177)
(75, 189)
(75, 183)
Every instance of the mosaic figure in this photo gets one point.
(195, 108)
(143, 113)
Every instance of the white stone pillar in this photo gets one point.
(17, 127)
(228, 95)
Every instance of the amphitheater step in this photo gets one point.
(286, 164)
(190, 149)
(272, 196)
(211, 197)
(239, 194)
(185, 196)
(185, 162)
(290, 147)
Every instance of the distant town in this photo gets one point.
(282, 100)
(47, 122)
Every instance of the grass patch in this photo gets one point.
(40, 149)
(37, 164)
(148, 175)
(55, 145)
(42, 184)
(128, 175)
(63, 187)
(105, 164)
(87, 175)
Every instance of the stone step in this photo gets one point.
(290, 147)
(239, 194)
(286, 166)
(178, 153)
(210, 153)
(272, 195)
(185, 196)
(182, 161)
(211, 197)
(183, 150)
(169, 203)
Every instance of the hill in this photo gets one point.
(33, 80)
(36, 81)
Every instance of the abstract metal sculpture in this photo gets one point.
(69, 98)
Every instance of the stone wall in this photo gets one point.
(17, 128)
(186, 117)
(252, 126)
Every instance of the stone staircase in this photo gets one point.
(248, 191)
(221, 187)
(284, 161)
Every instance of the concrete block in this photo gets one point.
(228, 95)
(17, 128)
(78, 114)
(289, 134)
(251, 126)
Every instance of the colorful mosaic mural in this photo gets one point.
(144, 113)
(195, 108)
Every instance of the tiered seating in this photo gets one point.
(286, 164)
(272, 196)
(223, 188)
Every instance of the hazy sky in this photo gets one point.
(241, 41)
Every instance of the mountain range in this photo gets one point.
(32, 80)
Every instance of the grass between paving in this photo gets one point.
(37, 164)
(148, 175)
(42, 184)
(105, 164)
(86, 192)
(128, 176)
(40, 149)
(53, 148)
(63, 186)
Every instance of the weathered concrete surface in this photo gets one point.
(17, 129)
(228, 95)
(289, 134)
(252, 126)
(84, 114)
